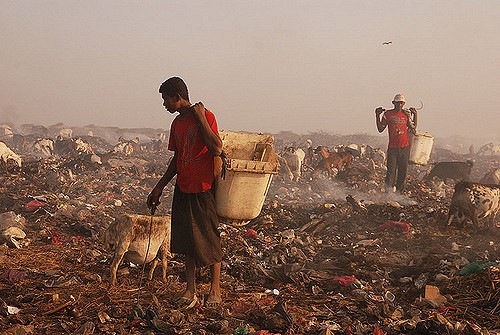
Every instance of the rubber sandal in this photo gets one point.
(212, 304)
(186, 303)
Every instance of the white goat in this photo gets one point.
(45, 146)
(6, 154)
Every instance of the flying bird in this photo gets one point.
(387, 43)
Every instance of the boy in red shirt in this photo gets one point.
(195, 141)
(398, 121)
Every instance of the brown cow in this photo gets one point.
(332, 162)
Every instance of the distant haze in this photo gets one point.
(261, 66)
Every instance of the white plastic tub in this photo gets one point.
(251, 165)
(421, 147)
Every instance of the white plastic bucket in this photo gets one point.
(241, 194)
(421, 147)
(250, 167)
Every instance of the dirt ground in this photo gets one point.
(310, 263)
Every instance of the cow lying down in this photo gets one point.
(128, 237)
(474, 201)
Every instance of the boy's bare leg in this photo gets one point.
(190, 278)
(215, 294)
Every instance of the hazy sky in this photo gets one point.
(260, 66)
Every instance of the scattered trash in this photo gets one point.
(421, 281)
(395, 204)
(287, 236)
(433, 296)
(242, 330)
(345, 280)
(303, 249)
(11, 235)
(33, 205)
(11, 229)
(87, 329)
(356, 204)
(377, 298)
(389, 296)
(391, 224)
(251, 233)
(13, 276)
(20, 330)
(274, 291)
(103, 317)
(474, 267)
(11, 219)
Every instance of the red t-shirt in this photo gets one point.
(397, 125)
(195, 163)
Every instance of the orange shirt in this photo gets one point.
(397, 125)
(195, 163)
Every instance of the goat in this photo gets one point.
(474, 201)
(7, 154)
(129, 236)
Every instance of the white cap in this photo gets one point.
(399, 97)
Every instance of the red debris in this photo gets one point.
(241, 307)
(33, 205)
(108, 197)
(378, 331)
(251, 233)
(391, 224)
(345, 280)
(377, 298)
(56, 238)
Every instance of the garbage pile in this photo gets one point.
(325, 256)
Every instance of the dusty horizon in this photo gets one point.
(270, 66)
(458, 143)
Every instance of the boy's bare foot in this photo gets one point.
(213, 299)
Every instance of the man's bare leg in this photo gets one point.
(190, 278)
(215, 294)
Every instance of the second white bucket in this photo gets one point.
(421, 147)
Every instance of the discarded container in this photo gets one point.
(250, 166)
(389, 296)
(10, 219)
(421, 147)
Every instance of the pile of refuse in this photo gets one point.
(323, 257)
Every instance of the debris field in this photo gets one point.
(325, 256)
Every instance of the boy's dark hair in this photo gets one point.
(173, 86)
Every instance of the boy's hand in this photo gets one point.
(199, 110)
(154, 198)
(413, 110)
(379, 110)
